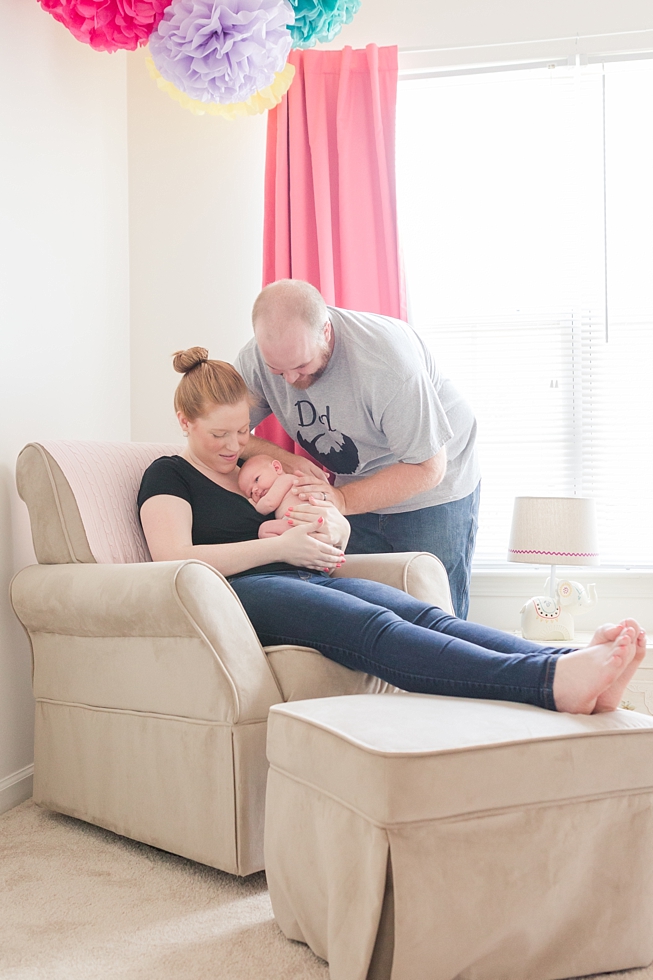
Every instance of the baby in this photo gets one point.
(265, 484)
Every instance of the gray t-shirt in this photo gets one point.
(381, 400)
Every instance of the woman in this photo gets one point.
(191, 507)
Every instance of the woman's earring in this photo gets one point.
(185, 434)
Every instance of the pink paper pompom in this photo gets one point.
(108, 25)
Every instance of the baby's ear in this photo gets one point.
(277, 465)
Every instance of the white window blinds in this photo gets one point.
(514, 188)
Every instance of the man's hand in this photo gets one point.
(306, 486)
(306, 469)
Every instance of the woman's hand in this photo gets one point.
(304, 545)
(335, 529)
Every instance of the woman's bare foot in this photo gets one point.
(581, 677)
(606, 633)
(610, 699)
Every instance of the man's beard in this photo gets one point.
(308, 379)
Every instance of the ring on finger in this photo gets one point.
(324, 496)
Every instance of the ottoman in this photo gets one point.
(415, 837)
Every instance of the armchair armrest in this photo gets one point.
(165, 637)
(418, 573)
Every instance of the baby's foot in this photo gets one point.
(582, 676)
(610, 699)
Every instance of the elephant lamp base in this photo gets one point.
(550, 617)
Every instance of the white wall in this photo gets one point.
(196, 232)
(64, 282)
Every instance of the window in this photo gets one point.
(526, 215)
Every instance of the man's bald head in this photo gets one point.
(293, 331)
(286, 302)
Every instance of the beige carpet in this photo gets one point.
(80, 903)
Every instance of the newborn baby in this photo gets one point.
(265, 484)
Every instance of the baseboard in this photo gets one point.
(16, 788)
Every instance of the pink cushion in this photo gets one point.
(104, 478)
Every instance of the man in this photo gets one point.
(361, 394)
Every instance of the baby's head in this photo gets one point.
(257, 474)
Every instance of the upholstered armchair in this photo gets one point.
(152, 689)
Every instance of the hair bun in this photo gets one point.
(185, 360)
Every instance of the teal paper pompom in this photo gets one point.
(320, 20)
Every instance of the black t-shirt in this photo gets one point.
(219, 516)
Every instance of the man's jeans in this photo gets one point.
(374, 628)
(447, 531)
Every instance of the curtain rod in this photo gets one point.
(446, 71)
(507, 44)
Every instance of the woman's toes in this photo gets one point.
(606, 633)
(588, 680)
(611, 697)
(640, 639)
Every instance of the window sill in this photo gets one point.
(498, 593)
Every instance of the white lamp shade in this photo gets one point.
(554, 531)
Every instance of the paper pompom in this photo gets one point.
(320, 20)
(222, 50)
(267, 98)
(108, 25)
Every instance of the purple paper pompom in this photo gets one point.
(222, 50)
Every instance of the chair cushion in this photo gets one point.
(303, 672)
(81, 498)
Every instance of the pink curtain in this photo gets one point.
(330, 202)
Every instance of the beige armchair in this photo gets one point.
(152, 689)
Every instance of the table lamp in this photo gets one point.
(554, 531)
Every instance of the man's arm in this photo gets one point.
(289, 461)
(392, 485)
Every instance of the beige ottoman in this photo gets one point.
(431, 838)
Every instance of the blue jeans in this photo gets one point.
(382, 631)
(447, 530)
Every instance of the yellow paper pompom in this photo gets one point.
(267, 98)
